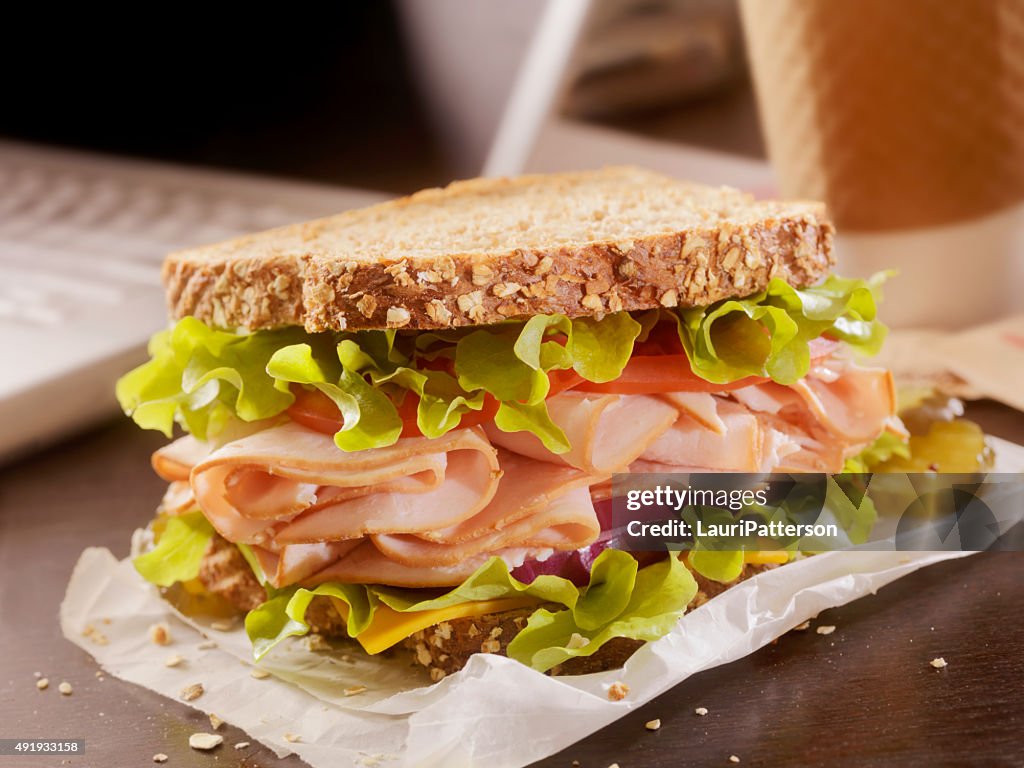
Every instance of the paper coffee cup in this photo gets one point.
(951, 276)
(907, 119)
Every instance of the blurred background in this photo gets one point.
(391, 95)
(123, 137)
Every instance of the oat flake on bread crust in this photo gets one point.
(485, 250)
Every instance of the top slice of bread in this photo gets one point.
(486, 250)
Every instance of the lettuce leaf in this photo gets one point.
(597, 350)
(442, 402)
(370, 419)
(254, 564)
(178, 552)
(491, 581)
(767, 334)
(516, 417)
(619, 601)
(854, 512)
(201, 378)
(283, 615)
(511, 364)
(639, 604)
(718, 565)
(845, 504)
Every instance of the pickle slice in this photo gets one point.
(948, 446)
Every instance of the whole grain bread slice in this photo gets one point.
(447, 647)
(486, 250)
(443, 648)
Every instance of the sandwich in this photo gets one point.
(397, 426)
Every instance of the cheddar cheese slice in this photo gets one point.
(390, 627)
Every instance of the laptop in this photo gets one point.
(82, 238)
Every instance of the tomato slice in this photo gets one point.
(650, 374)
(644, 374)
(662, 340)
(407, 410)
(560, 381)
(315, 410)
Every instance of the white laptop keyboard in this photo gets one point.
(82, 238)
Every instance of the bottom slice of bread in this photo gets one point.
(446, 647)
(443, 648)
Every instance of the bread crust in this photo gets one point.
(725, 245)
(224, 572)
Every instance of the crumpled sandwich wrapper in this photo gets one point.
(495, 712)
(983, 361)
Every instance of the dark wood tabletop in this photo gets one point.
(862, 696)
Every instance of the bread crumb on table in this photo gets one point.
(191, 692)
(259, 674)
(242, 745)
(205, 741)
(65, 688)
(701, 711)
(159, 634)
(173, 661)
(802, 627)
(42, 683)
(618, 691)
(215, 722)
(938, 662)
(826, 629)
(95, 635)
(159, 757)
(653, 725)
(733, 759)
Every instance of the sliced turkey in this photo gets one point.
(606, 432)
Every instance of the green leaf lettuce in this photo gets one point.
(178, 552)
(767, 334)
(201, 378)
(620, 601)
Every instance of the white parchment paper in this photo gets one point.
(495, 712)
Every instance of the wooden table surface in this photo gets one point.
(862, 696)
